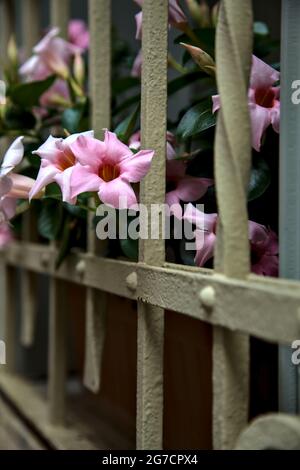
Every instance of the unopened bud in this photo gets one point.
(12, 50)
(202, 59)
(79, 69)
(200, 12)
(215, 13)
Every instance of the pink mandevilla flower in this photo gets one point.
(78, 34)
(176, 18)
(263, 242)
(135, 143)
(57, 164)
(6, 235)
(183, 187)
(52, 55)
(108, 167)
(263, 99)
(12, 185)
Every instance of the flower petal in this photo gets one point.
(202, 220)
(191, 188)
(8, 207)
(49, 151)
(262, 75)
(88, 151)
(63, 180)
(117, 193)
(5, 185)
(21, 186)
(260, 120)
(216, 103)
(206, 252)
(45, 176)
(13, 156)
(83, 179)
(116, 151)
(135, 167)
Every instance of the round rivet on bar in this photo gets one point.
(80, 267)
(207, 296)
(131, 281)
(45, 258)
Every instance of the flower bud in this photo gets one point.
(202, 59)
(79, 69)
(200, 12)
(12, 50)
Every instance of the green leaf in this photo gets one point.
(205, 39)
(27, 95)
(130, 248)
(50, 219)
(71, 119)
(260, 178)
(125, 129)
(65, 243)
(53, 191)
(17, 118)
(76, 211)
(123, 84)
(260, 28)
(197, 119)
(184, 80)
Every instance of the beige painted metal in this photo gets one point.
(100, 85)
(274, 431)
(58, 304)
(7, 27)
(31, 34)
(270, 306)
(232, 166)
(152, 190)
(59, 14)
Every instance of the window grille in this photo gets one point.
(236, 303)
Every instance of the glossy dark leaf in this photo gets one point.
(260, 179)
(27, 95)
(50, 219)
(126, 128)
(130, 248)
(196, 120)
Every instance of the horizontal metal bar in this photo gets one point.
(263, 307)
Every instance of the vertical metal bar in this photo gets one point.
(232, 258)
(100, 85)
(8, 313)
(7, 26)
(7, 274)
(57, 299)
(289, 196)
(31, 33)
(59, 13)
(152, 191)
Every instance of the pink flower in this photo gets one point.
(205, 233)
(78, 34)
(52, 55)
(57, 164)
(263, 99)
(176, 17)
(6, 235)
(264, 250)
(136, 70)
(263, 242)
(55, 94)
(12, 185)
(135, 143)
(108, 167)
(183, 187)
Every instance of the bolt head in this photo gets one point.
(207, 296)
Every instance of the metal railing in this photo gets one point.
(235, 302)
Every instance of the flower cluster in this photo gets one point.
(61, 170)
